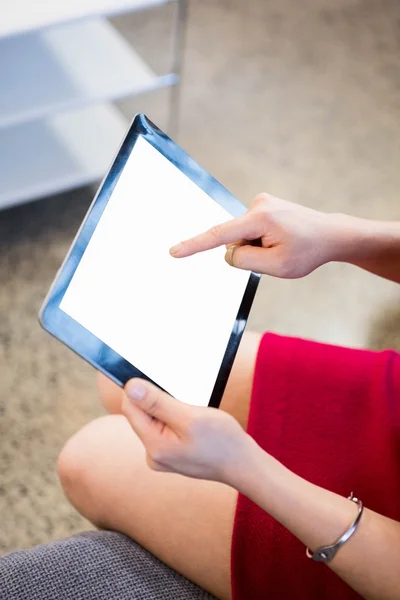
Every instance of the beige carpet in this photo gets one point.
(298, 98)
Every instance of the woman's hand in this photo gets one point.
(198, 442)
(295, 239)
(210, 444)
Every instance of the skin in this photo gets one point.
(191, 529)
(296, 240)
(211, 448)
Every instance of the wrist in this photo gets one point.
(315, 515)
(357, 241)
(344, 236)
(255, 466)
(240, 463)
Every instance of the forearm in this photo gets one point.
(371, 245)
(368, 562)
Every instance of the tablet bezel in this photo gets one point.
(79, 339)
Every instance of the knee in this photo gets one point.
(110, 394)
(75, 467)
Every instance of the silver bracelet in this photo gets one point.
(327, 553)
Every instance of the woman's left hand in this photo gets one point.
(198, 442)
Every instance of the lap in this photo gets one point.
(187, 523)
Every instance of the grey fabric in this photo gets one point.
(97, 565)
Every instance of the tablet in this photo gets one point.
(124, 304)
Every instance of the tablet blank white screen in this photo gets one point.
(171, 318)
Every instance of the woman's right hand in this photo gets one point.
(295, 240)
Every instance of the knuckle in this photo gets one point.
(262, 208)
(217, 231)
(152, 406)
(262, 199)
(264, 216)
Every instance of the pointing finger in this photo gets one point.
(247, 227)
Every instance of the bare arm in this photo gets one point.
(371, 245)
(296, 240)
(210, 444)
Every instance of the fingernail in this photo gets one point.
(229, 255)
(176, 249)
(135, 391)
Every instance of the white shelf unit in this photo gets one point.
(58, 129)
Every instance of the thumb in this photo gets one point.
(255, 258)
(155, 403)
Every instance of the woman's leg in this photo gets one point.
(187, 523)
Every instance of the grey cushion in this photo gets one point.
(97, 565)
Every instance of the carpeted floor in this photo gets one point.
(298, 98)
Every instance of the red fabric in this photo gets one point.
(331, 415)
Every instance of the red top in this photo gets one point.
(331, 415)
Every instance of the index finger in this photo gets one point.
(244, 227)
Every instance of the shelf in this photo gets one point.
(45, 157)
(20, 16)
(68, 67)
